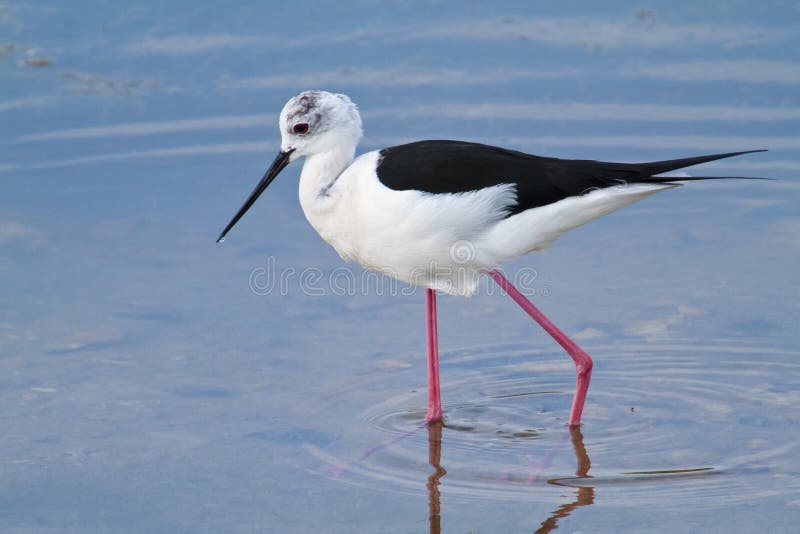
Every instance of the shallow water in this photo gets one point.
(663, 425)
(151, 380)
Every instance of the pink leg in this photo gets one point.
(583, 363)
(434, 396)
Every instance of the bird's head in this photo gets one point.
(317, 121)
(311, 123)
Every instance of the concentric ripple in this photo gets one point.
(661, 420)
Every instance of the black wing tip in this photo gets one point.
(738, 153)
(659, 167)
(750, 151)
(735, 178)
(676, 179)
(663, 179)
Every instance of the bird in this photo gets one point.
(441, 214)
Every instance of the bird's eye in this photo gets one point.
(300, 128)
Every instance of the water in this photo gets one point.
(152, 380)
(653, 395)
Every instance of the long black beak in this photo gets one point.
(277, 166)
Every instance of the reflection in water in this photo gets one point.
(584, 494)
(434, 458)
(505, 445)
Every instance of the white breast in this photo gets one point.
(420, 238)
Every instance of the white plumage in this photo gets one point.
(415, 236)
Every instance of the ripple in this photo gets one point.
(661, 421)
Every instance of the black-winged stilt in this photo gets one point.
(439, 214)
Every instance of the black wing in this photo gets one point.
(458, 167)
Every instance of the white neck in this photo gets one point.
(318, 180)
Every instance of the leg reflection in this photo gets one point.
(584, 494)
(434, 458)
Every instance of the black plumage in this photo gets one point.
(459, 167)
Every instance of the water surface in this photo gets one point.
(151, 380)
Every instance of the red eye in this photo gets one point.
(300, 128)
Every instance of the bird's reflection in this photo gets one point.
(435, 458)
(584, 494)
